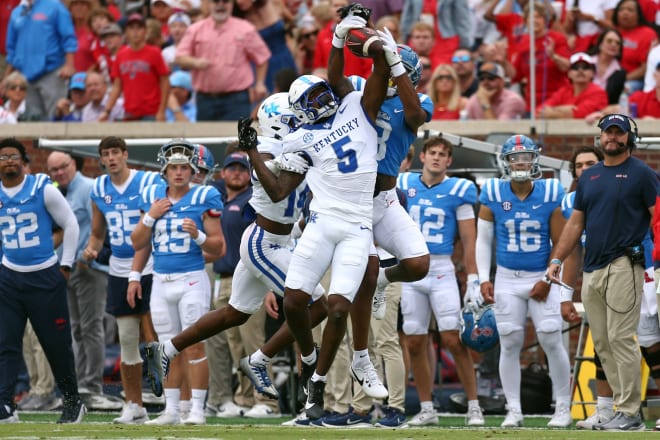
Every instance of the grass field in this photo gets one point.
(99, 426)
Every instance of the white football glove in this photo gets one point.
(348, 23)
(473, 291)
(387, 39)
(293, 162)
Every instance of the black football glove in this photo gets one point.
(355, 9)
(247, 135)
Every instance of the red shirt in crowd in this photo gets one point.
(637, 43)
(592, 99)
(5, 12)
(647, 103)
(656, 230)
(84, 57)
(140, 72)
(512, 27)
(445, 114)
(353, 65)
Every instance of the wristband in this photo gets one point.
(134, 275)
(337, 42)
(148, 221)
(555, 261)
(201, 238)
(473, 277)
(398, 69)
(565, 294)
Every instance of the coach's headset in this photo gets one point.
(634, 131)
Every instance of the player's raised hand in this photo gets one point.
(159, 208)
(387, 39)
(247, 135)
(354, 9)
(348, 23)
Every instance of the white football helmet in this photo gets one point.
(311, 99)
(276, 119)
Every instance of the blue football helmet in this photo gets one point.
(176, 152)
(276, 119)
(478, 327)
(411, 63)
(311, 99)
(521, 149)
(205, 162)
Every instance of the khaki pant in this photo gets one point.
(42, 381)
(612, 300)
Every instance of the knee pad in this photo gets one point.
(506, 328)
(652, 358)
(128, 329)
(549, 326)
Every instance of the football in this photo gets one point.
(364, 42)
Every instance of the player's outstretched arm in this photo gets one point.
(341, 86)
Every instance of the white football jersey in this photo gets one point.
(342, 152)
(285, 211)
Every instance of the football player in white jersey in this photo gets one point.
(524, 216)
(443, 208)
(338, 138)
(116, 210)
(183, 225)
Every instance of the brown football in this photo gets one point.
(363, 42)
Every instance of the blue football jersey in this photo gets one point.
(26, 225)
(522, 227)
(174, 251)
(434, 208)
(122, 210)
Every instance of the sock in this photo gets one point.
(259, 358)
(361, 358)
(317, 378)
(605, 403)
(169, 349)
(514, 405)
(473, 404)
(382, 278)
(426, 406)
(310, 358)
(184, 406)
(172, 396)
(198, 399)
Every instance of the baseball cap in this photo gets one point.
(611, 120)
(179, 17)
(111, 29)
(135, 18)
(492, 68)
(236, 158)
(581, 57)
(182, 79)
(78, 81)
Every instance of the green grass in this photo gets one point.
(99, 426)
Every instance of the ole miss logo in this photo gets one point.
(477, 332)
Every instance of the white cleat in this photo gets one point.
(368, 379)
(513, 419)
(194, 418)
(165, 418)
(562, 417)
(474, 417)
(424, 418)
(132, 414)
(599, 416)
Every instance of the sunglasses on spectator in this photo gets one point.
(582, 66)
(17, 87)
(461, 59)
(308, 35)
(485, 76)
(446, 77)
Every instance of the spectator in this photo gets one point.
(41, 44)
(98, 19)
(648, 103)
(638, 39)
(80, 14)
(181, 102)
(493, 100)
(177, 24)
(551, 52)
(445, 92)
(463, 64)
(578, 99)
(161, 12)
(652, 60)
(154, 36)
(391, 22)
(583, 21)
(5, 13)
(609, 75)
(70, 109)
(6, 117)
(86, 289)
(306, 43)
(16, 86)
(268, 18)
(112, 38)
(97, 92)
(509, 21)
(222, 79)
(31, 293)
(140, 73)
(425, 78)
(382, 8)
(422, 41)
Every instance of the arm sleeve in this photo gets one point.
(484, 248)
(59, 209)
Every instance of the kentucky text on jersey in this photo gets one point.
(337, 134)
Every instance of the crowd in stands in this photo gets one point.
(206, 60)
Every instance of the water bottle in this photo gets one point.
(624, 108)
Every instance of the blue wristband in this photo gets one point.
(555, 261)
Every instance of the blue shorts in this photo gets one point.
(117, 305)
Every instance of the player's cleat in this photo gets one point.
(305, 375)
(132, 414)
(394, 418)
(601, 415)
(258, 375)
(348, 420)
(158, 365)
(425, 417)
(229, 410)
(166, 418)
(378, 307)
(261, 411)
(194, 418)
(368, 379)
(314, 404)
(474, 417)
(513, 419)
(73, 411)
(562, 417)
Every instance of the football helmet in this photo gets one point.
(311, 99)
(519, 149)
(276, 119)
(205, 162)
(176, 152)
(478, 327)
(411, 63)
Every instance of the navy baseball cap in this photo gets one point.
(620, 121)
(236, 158)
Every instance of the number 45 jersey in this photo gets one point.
(522, 227)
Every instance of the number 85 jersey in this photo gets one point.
(522, 227)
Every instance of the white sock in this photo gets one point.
(605, 403)
(310, 358)
(361, 358)
(473, 404)
(184, 406)
(259, 358)
(426, 406)
(514, 405)
(382, 278)
(317, 378)
(198, 399)
(172, 396)
(169, 349)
